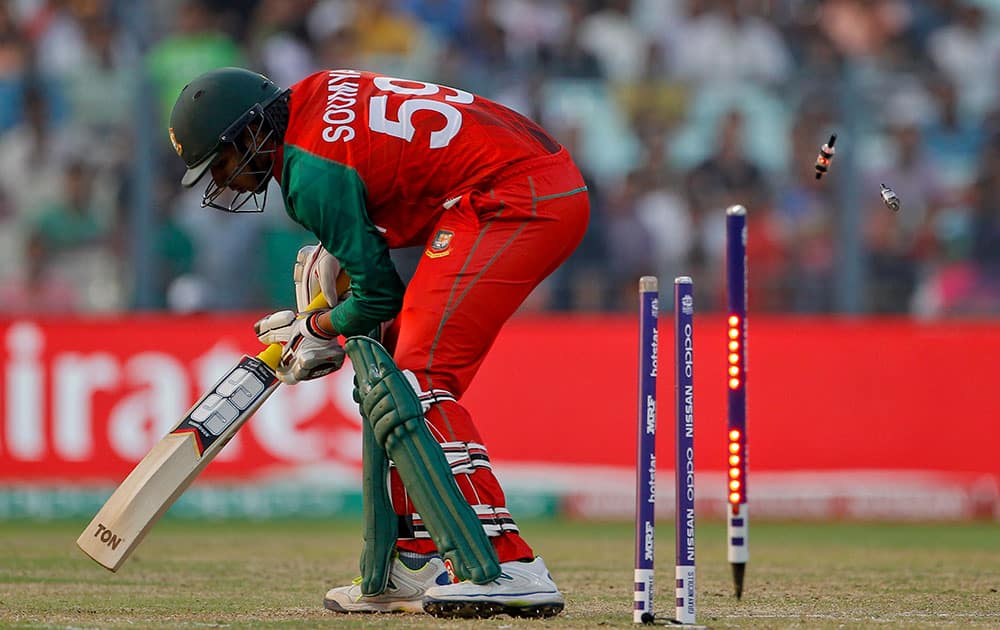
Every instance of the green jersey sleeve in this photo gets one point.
(328, 199)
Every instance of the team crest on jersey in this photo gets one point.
(177, 145)
(441, 245)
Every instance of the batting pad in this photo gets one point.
(381, 524)
(393, 409)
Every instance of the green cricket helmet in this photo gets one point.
(214, 109)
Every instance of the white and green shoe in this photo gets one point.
(404, 593)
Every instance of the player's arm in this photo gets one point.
(329, 200)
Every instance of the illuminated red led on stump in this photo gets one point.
(734, 461)
(735, 369)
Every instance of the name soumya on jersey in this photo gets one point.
(370, 163)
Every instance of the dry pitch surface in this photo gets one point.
(273, 575)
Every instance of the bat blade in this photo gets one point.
(173, 463)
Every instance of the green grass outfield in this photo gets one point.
(191, 574)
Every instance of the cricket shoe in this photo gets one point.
(404, 592)
(523, 589)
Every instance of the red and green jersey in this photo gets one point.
(370, 161)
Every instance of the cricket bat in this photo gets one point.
(173, 463)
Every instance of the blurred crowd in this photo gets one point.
(674, 109)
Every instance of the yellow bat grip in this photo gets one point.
(272, 354)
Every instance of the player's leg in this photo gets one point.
(395, 423)
(486, 258)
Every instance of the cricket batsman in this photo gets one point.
(368, 163)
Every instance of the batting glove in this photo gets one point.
(275, 328)
(311, 351)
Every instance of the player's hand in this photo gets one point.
(312, 349)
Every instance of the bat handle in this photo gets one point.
(272, 354)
